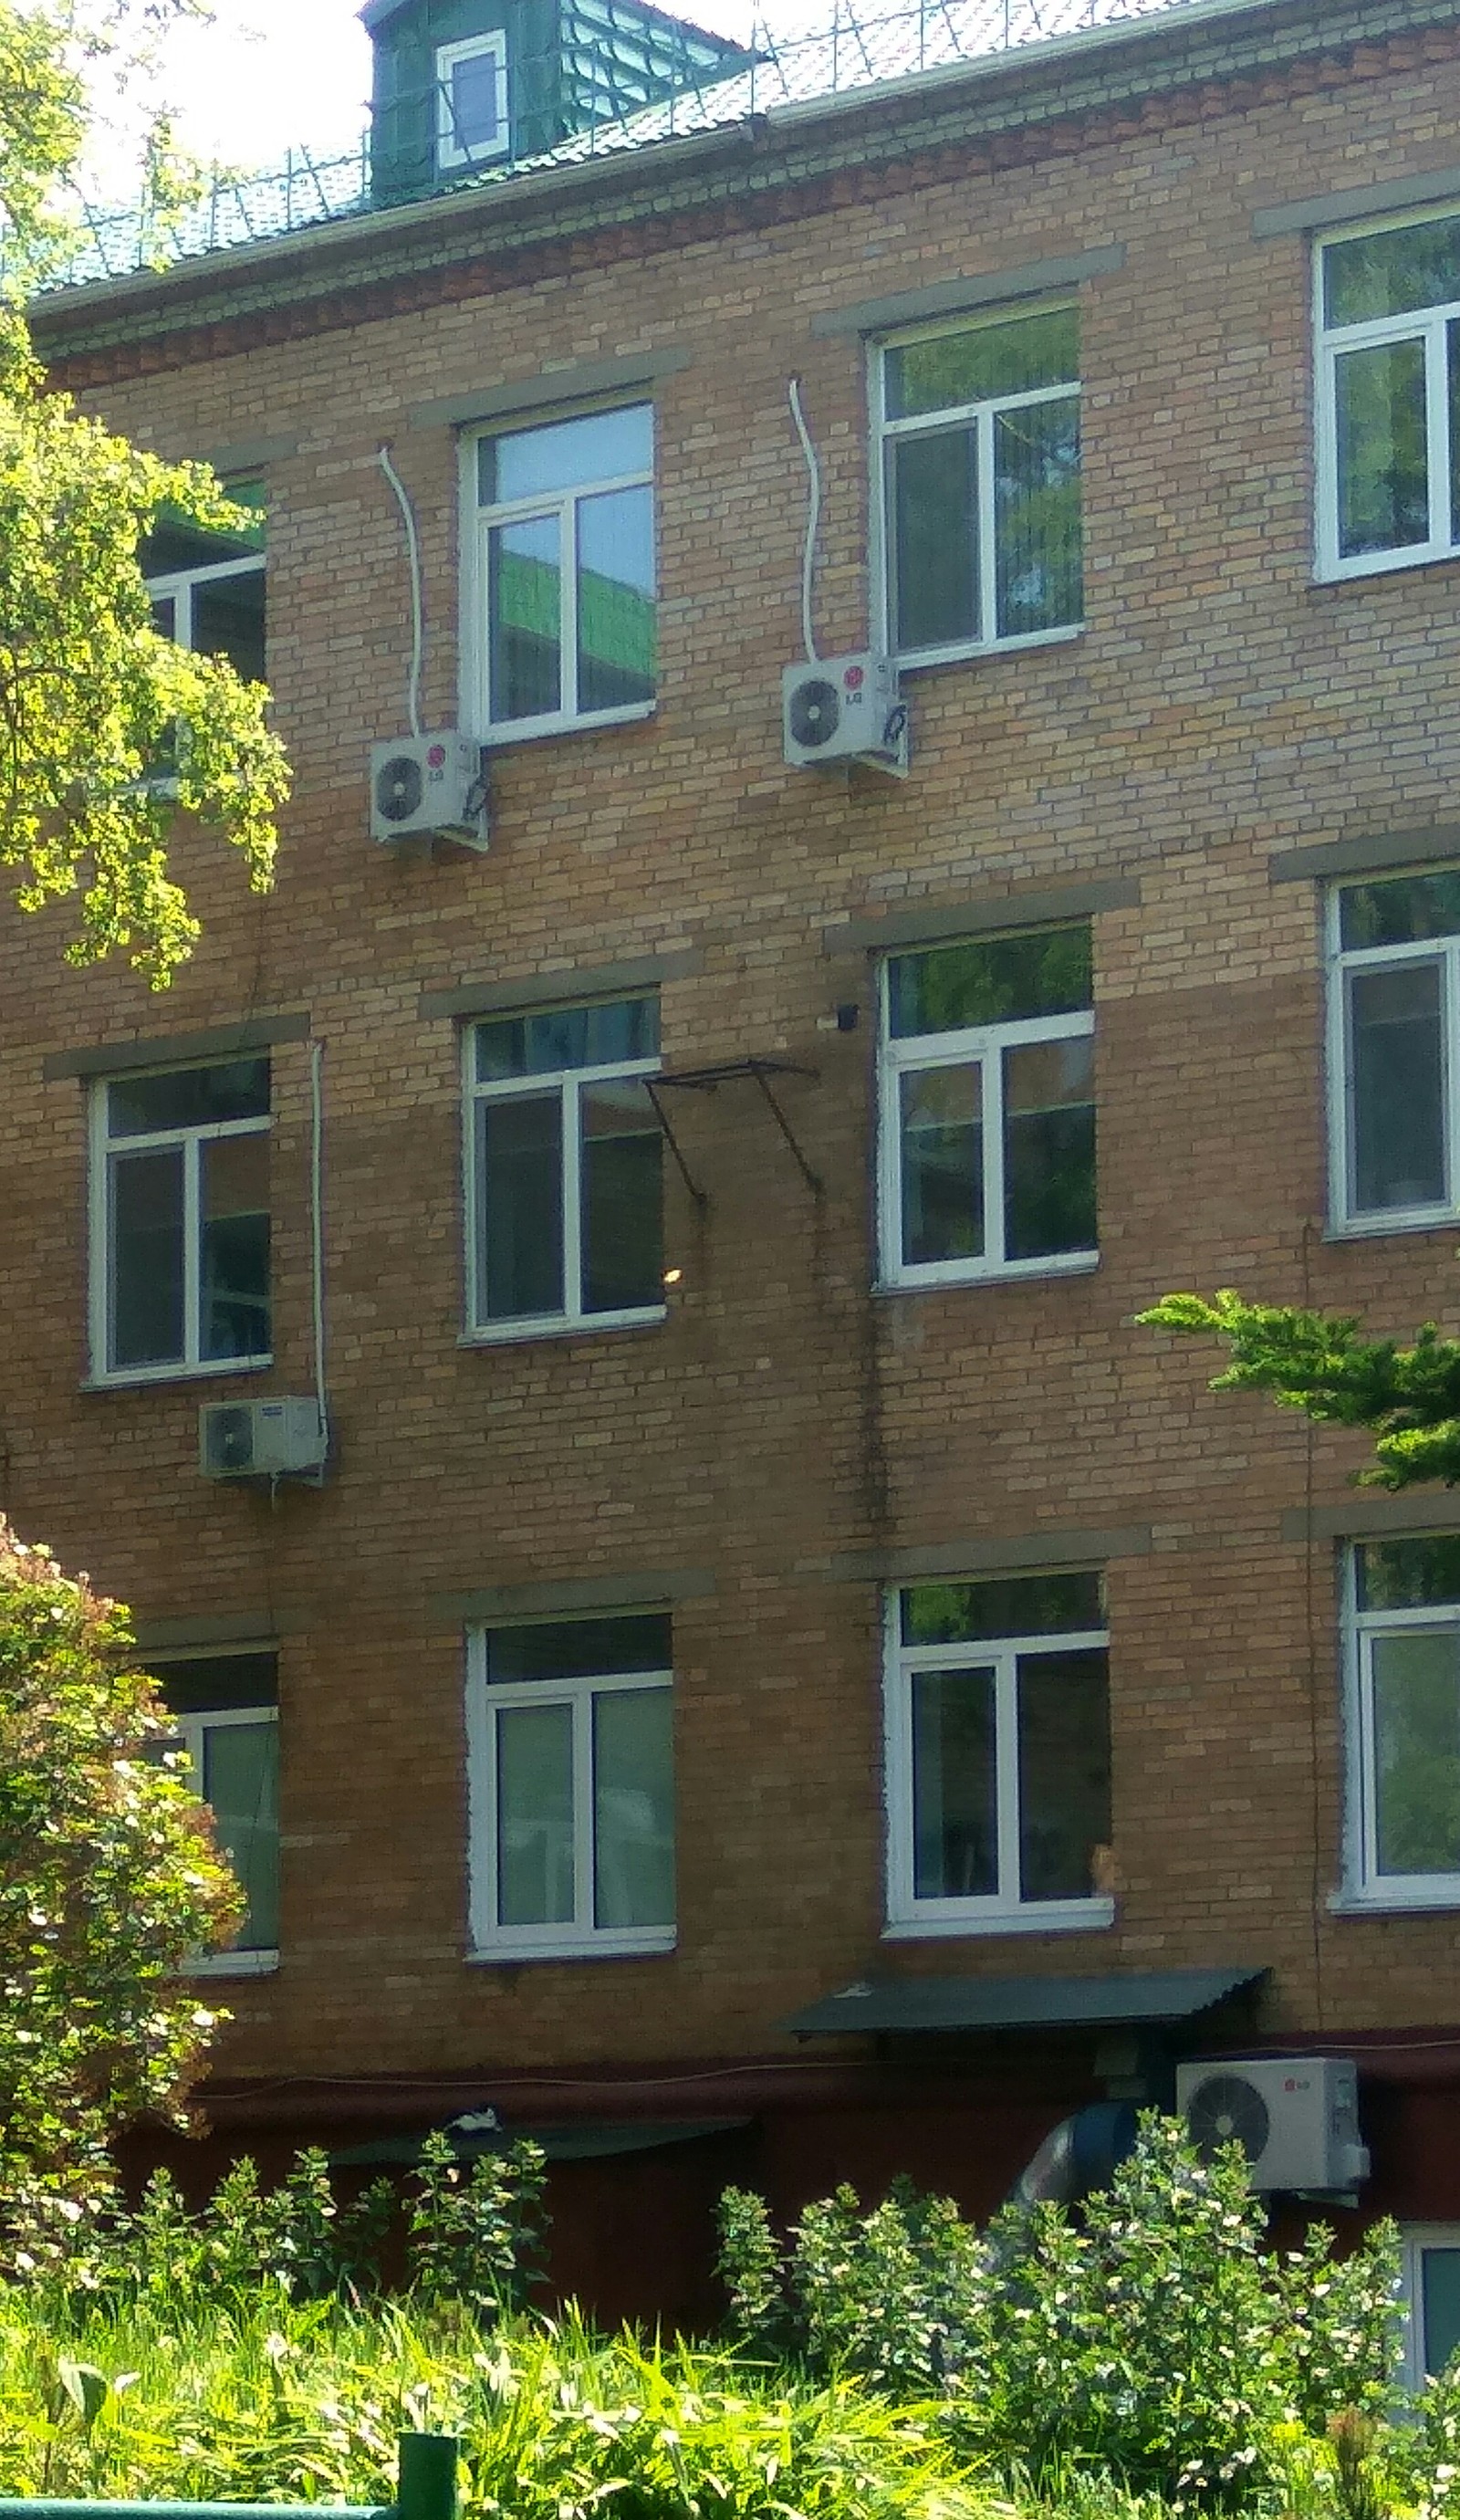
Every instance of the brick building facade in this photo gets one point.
(840, 1502)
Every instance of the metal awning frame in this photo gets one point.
(729, 1071)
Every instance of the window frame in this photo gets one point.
(982, 1045)
(909, 1918)
(101, 1146)
(981, 416)
(177, 585)
(490, 1940)
(449, 154)
(1343, 961)
(1415, 2240)
(573, 1321)
(1365, 1887)
(1428, 324)
(188, 1730)
(477, 523)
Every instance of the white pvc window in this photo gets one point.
(998, 1756)
(180, 1221)
(559, 586)
(1394, 1051)
(226, 1709)
(1387, 473)
(571, 1788)
(471, 101)
(207, 589)
(1402, 1617)
(977, 479)
(565, 1174)
(986, 1141)
(1429, 2292)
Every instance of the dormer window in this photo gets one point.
(471, 121)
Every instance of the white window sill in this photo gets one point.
(137, 1377)
(1391, 1899)
(514, 1333)
(1053, 1916)
(1395, 1220)
(233, 1965)
(966, 652)
(1342, 572)
(943, 1274)
(599, 1947)
(530, 730)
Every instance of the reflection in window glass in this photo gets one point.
(570, 594)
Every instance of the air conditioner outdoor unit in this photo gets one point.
(845, 708)
(428, 786)
(259, 1439)
(1294, 2117)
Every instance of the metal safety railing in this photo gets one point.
(425, 2489)
(795, 51)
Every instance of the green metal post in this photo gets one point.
(427, 2477)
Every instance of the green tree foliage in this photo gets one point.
(109, 1880)
(109, 732)
(1409, 1397)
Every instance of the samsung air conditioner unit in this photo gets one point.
(260, 1439)
(428, 786)
(1294, 2117)
(845, 708)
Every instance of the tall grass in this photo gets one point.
(302, 2402)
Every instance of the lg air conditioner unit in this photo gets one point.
(845, 708)
(428, 786)
(260, 1439)
(1294, 2117)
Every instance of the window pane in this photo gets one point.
(934, 499)
(1063, 1772)
(519, 1193)
(1383, 458)
(954, 1785)
(604, 448)
(1417, 1750)
(941, 1157)
(1049, 1149)
(1036, 518)
(568, 1037)
(147, 1259)
(579, 1648)
(164, 615)
(1405, 910)
(1008, 979)
(623, 1198)
(1409, 1574)
(188, 1097)
(1005, 1605)
(474, 122)
(525, 573)
(987, 359)
(1439, 2285)
(240, 1785)
(1395, 273)
(616, 635)
(227, 620)
(633, 1807)
(535, 1816)
(193, 1686)
(233, 1246)
(1397, 1047)
(176, 544)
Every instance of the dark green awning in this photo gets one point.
(910, 2003)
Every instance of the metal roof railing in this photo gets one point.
(864, 43)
